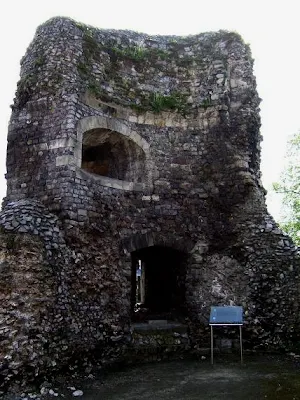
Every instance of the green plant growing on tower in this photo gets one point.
(174, 101)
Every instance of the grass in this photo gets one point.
(206, 103)
(173, 102)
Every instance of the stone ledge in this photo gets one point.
(158, 327)
(111, 182)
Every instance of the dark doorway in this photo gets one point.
(158, 283)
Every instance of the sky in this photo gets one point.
(271, 28)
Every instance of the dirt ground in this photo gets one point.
(260, 377)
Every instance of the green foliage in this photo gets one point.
(25, 89)
(206, 103)
(139, 53)
(289, 187)
(173, 102)
(30, 83)
(55, 79)
(138, 108)
(92, 51)
(39, 61)
(82, 69)
(91, 47)
(158, 53)
(27, 84)
(95, 89)
(135, 53)
(81, 26)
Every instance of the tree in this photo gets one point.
(289, 186)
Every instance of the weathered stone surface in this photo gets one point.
(184, 114)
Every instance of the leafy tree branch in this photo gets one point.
(289, 186)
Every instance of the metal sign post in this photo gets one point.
(225, 316)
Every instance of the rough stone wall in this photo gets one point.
(189, 108)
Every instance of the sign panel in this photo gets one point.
(225, 315)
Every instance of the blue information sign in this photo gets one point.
(226, 315)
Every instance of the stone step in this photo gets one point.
(159, 325)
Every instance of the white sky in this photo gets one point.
(271, 27)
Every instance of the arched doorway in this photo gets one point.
(158, 283)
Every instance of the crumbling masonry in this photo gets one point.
(130, 153)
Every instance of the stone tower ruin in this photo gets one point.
(134, 195)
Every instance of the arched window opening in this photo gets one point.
(111, 154)
(158, 283)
